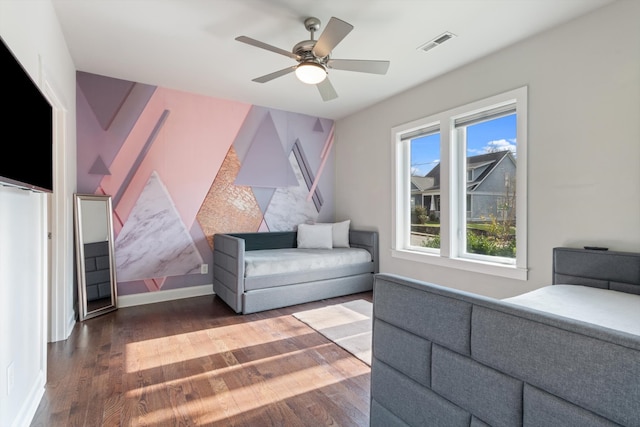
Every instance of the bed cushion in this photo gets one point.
(315, 236)
(340, 234)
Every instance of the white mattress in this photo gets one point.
(611, 309)
(276, 261)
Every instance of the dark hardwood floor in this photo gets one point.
(194, 362)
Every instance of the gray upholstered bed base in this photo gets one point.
(443, 357)
(258, 293)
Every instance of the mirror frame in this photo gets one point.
(80, 222)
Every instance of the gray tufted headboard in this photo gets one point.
(618, 271)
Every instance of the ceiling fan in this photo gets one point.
(314, 57)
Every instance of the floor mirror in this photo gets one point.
(95, 260)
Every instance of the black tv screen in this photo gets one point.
(26, 121)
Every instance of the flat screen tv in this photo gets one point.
(26, 121)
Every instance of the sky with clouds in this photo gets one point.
(485, 137)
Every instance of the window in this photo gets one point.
(460, 187)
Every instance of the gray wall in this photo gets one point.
(583, 144)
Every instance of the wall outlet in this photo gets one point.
(11, 378)
(204, 268)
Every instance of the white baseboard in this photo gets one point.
(160, 296)
(30, 405)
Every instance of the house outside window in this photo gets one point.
(460, 187)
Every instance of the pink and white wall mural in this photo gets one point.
(181, 167)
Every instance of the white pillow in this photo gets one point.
(316, 236)
(340, 234)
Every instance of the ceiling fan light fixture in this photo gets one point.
(311, 73)
(313, 57)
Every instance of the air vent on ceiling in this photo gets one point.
(437, 41)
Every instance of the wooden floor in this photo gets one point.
(193, 362)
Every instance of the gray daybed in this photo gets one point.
(443, 357)
(284, 285)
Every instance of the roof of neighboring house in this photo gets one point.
(490, 159)
(473, 162)
(434, 174)
(421, 182)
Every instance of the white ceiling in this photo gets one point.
(190, 45)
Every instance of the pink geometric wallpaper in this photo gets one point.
(181, 167)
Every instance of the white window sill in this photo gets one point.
(494, 269)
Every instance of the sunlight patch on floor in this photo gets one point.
(230, 400)
(152, 353)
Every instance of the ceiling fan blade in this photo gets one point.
(333, 33)
(275, 75)
(362, 66)
(262, 45)
(327, 92)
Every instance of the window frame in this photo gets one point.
(453, 176)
